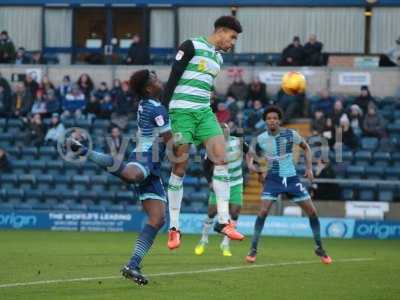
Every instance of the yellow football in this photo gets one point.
(293, 83)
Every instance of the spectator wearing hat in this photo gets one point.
(364, 99)
(56, 130)
(293, 54)
(7, 48)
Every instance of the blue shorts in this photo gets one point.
(151, 187)
(276, 185)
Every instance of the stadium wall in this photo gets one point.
(382, 82)
(192, 223)
(267, 28)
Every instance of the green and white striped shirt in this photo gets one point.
(194, 88)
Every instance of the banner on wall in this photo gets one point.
(192, 224)
(354, 78)
(73, 221)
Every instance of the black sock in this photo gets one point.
(258, 227)
(315, 227)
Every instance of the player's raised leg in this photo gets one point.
(310, 210)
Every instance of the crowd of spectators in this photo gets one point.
(32, 101)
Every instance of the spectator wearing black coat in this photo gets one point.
(313, 49)
(257, 91)
(138, 52)
(325, 191)
(364, 99)
(7, 48)
(293, 54)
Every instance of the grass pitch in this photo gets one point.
(83, 265)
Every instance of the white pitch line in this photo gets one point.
(253, 266)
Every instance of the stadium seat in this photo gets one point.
(77, 207)
(44, 181)
(348, 194)
(107, 196)
(99, 182)
(80, 182)
(60, 207)
(83, 123)
(26, 181)
(393, 128)
(37, 166)
(55, 167)
(30, 153)
(367, 192)
(14, 151)
(125, 196)
(369, 143)
(4, 206)
(70, 194)
(392, 173)
(385, 195)
(96, 208)
(14, 194)
(381, 159)
(355, 171)
(363, 157)
(41, 206)
(374, 172)
(7, 138)
(395, 157)
(347, 156)
(62, 182)
(48, 152)
(88, 195)
(115, 208)
(33, 195)
(8, 181)
(23, 206)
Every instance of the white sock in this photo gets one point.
(222, 192)
(225, 242)
(175, 194)
(206, 228)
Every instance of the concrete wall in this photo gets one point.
(383, 81)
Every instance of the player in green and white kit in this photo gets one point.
(234, 154)
(188, 93)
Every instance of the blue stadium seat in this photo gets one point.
(261, 59)
(367, 192)
(347, 156)
(60, 207)
(4, 206)
(37, 166)
(392, 173)
(14, 194)
(14, 151)
(348, 194)
(99, 182)
(132, 208)
(41, 206)
(96, 208)
(393, 128)
(103, 124)
(385, 195)
(369, 143)
(125, 196)
(115, 208)
(77, 207)
(83, 123)
(26, 181)
(23, 206)
(374, 172)
(363, 157)
(80, 182)
(228, 58)
(33, 195)
(30, 153)
(107, 196)
(7, 138)
(70, 194)
(51, 196)
(381, 159)
(395, 157)
(8, 181)
(62, 182)
(48, 152)
(355, 171)
(44, 181)
(88, 195)
(55, 167)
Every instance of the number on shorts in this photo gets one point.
(301, 187)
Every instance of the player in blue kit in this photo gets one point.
(142, 170)
(276, 145)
